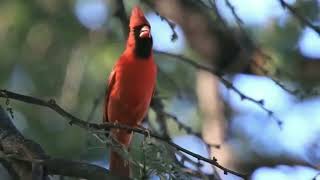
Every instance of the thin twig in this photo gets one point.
(225, 82)
(316, 176)
(245, 37)
(302, 19)
(295, 92)
(282, 86)
(189, 130)
(234, 13)
(213, 5)
(174, 35)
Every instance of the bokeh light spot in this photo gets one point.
(91, 13)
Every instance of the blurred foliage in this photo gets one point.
(47, 53)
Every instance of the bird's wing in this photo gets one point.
(111, 82)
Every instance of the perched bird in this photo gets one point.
(130, 86)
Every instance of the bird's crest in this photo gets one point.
(137, 18)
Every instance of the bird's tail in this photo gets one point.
(118, 165)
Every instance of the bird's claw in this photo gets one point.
(114, 124)
(146, 131)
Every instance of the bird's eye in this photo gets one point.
(145, 32)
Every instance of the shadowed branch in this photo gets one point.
(25, 159)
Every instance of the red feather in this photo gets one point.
(130, 89)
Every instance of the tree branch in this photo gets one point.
(103, 128)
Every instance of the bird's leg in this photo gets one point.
(116, 123)
(110, 136)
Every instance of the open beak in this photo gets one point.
(145, 32)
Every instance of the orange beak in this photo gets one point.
(145, 32)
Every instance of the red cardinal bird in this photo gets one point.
(130, 86)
